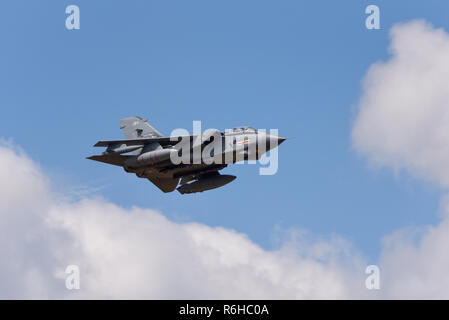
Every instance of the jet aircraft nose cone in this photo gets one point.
(274, 141)
(281, 139)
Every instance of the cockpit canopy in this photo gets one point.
(242, 130)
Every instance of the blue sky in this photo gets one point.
(291, 65)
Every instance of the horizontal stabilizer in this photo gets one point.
(114, 159)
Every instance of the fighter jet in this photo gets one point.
(191, 161)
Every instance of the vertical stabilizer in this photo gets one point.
(136, 127)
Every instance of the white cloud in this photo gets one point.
(416, 263)
(138, 253)
(403, 116)
(403, 123)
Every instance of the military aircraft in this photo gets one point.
(192, 161)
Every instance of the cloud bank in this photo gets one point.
(138, 253)
(402, 122)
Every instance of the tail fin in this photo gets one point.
(136, 127)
